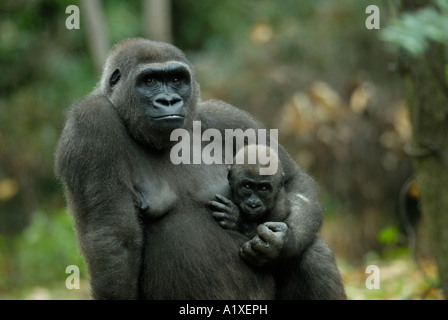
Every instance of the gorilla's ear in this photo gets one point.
(115, 77)
(229, 172)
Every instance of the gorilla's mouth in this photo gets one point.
(253, 213)
(169, 117)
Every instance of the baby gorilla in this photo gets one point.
(259, 204)
(256, 199)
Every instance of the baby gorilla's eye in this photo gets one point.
(149, 80)
(264, 190)
(175, 80)
(245, 188)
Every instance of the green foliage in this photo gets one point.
(45, 248)
(45, 68)
(388, 235)
(446, 73)
(413, 31)
(213, 25)
(123, 19)
(4, 261)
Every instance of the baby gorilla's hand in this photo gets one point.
(267, 245)
(225, 212)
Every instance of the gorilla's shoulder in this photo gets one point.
(93, 131)
(93, 110)
(221, 115)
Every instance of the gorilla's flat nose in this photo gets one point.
(164, 100)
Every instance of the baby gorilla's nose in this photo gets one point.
(254, 205)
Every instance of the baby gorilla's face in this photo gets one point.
(254, 194)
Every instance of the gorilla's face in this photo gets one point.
(163, 91)
(254, 194)
(153, 88)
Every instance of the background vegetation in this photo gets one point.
(340, 95)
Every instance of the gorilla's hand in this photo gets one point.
(225, 212)
(267, 245)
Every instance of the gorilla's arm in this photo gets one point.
(90, 160)
(305, 219)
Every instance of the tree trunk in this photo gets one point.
(427, 92)
(92, 14)
(157, 20)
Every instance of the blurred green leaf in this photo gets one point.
(443, 5)
(412, 31)
(388, 235)
(46, 248)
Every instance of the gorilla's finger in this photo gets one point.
(259, 244)
(226, 224)
(248, 253)
(223, 199)
(247, 250)
(270, 237)
(222, 215)
(248, 257)
(276, 226)
(265, 233)
(219, 206)
(219, 215)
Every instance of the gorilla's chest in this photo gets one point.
(204, 182)
(160, 189)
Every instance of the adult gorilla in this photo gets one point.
(143, 223)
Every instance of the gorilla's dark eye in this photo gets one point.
(175, 80)
(246, 187)
(149, 80)
(264, 189)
